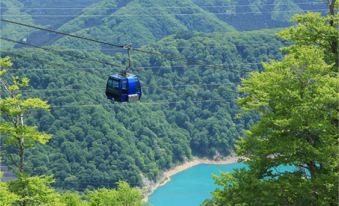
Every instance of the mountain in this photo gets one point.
(42, 11)
(245, 15)
(141, 22)
(188, 106)
(13, 9)
(52, 14)
(186, 109)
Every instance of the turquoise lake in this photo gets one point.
(190, 187)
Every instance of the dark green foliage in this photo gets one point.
(297, 100)
(53, 14)
(245, 15)
(13, 9)
(142, 22)
(96, 143)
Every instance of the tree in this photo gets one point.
(7, 198)
(105, 141)
(35, 191)
(27, 190)
(13, 108)
(297, 100)
(124, 195)
(313, 29)
(73, 199)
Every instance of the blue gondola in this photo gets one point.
(123, 88)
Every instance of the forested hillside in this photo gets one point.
(297, 101)
(141, 22)
(14, 9)
(219, 78)
(185, 109)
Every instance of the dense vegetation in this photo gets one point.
(141, 22)
(188, 106)
(28, 190)
(297, 99)
(12, 8)
(186, 110)
(37, 190)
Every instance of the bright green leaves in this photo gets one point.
(124, 195)
(73, 199)
(18, 83)
(38, 191)
(25, 190)
(103, 197)
(297, 100)
(35, 191)
(14, 106)
(282, 82)
(5, 63)
(7, 198)
(34, 103)
(312, 29)
(29, 133)
(13, 109)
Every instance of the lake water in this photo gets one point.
(190, 187)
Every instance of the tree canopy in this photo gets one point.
(28, 190)
(297, 101)
(185, 110)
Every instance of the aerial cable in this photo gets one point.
(116, 65)
(72, 35)
(207, 65)
(63, 69)
(226, 6)
(142, 103)
(116, 49)
(100, 88)
(58, 52)
(61, 33)
(128, 47)
(197, 6)
(139, 69)
(161, 15)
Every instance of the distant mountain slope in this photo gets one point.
(52, 14)
(141, 22)
(13, 9)
(185, 109)
(245, 15)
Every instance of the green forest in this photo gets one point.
(187, 108)
(297, 103)
(220, 86)
(142, 22)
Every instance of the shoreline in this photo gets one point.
(166, 176)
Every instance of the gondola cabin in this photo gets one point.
(123, 88)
